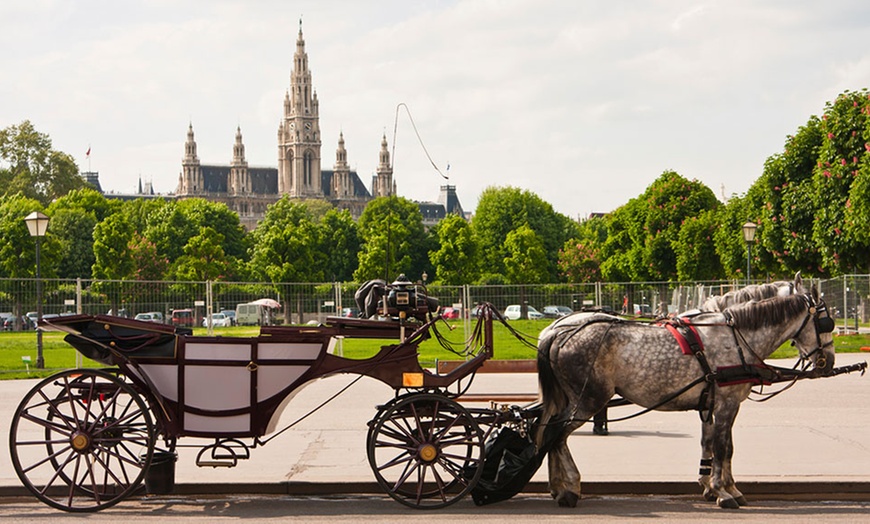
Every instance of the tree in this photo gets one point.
(340, 243)
(31, 167)
(286, 245)
(501, 210)
(579, 262)
(393, 240)
(73, 218)
(842, 155)
(526, 262)
(643, 234)
(696, 250)
(204, 258)
(455, 260)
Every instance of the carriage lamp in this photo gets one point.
(749, 236)
(37, 223)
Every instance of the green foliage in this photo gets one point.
(31, 167)
(502, 210)
(113, 259)
(286, 245)
(843, 153)
(579, 262)
(696, 254)
(204, 258)
(392, 234)
(340, 243)
(456, 258)
(643, 235)
(526, 262)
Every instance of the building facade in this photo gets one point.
(250, 190)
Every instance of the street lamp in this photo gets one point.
(749, 236)
(37, 223)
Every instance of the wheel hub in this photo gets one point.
(427, 452)
(80, 441)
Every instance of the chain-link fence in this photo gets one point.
(300, 303)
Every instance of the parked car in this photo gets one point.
(451, 312)
(24, 323)
(556, 311)
(230, 314)
(151, 316)
(217, 320)
(182, 317)
(514, 312)
(350, 312)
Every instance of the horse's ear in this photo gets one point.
(798, 284)
(815, 292)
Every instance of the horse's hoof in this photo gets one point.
(741, 500)
(709, 495)
(728, 503)
(568, 500)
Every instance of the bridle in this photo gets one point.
(822, 324)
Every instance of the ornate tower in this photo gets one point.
(341, 186)
(190, 181)
(240, 179)
(299, 132)
(383, 185)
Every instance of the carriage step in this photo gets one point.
(216, 463)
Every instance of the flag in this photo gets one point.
(88, 154)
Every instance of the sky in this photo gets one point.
(583, 103)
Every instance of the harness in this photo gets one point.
(761, 374)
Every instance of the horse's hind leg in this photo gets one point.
(722, 481)
(564, 475)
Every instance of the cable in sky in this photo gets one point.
(395, 128)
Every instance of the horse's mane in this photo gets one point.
(769, 312)
(755, 292)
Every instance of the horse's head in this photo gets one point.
(815, 339)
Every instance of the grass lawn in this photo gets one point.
(59, 355)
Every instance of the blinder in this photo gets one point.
(824, 324)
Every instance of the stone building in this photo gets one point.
(250, 190)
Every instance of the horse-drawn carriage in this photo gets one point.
(85, 439)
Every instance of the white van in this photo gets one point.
(252, 315)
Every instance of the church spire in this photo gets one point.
(384, 185)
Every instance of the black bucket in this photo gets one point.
(160, 477)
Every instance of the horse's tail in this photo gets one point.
(553, 398)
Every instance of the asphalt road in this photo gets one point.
(356, 509)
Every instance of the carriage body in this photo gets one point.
(84, 439)
(236, 387)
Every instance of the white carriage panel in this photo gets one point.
(164, 377)
(272, 379)
(217, 387)
(207, 351)
(218, 425)
(289, 350)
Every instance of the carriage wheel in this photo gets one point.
(425, 451)
(81, 440)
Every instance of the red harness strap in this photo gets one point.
(685, 334)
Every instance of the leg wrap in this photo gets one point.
(706, 467)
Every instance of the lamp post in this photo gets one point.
(37, 223)
(749, 236)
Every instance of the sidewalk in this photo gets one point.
(817, 432)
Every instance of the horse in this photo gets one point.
(583, 360)
(779, 288)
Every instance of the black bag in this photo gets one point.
(510, 462)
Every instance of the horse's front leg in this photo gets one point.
(722, 481)
(564, 475)
(705, 468)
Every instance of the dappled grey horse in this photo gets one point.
(583, 360)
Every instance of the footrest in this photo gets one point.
(216, 464)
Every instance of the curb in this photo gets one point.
(771, 490)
